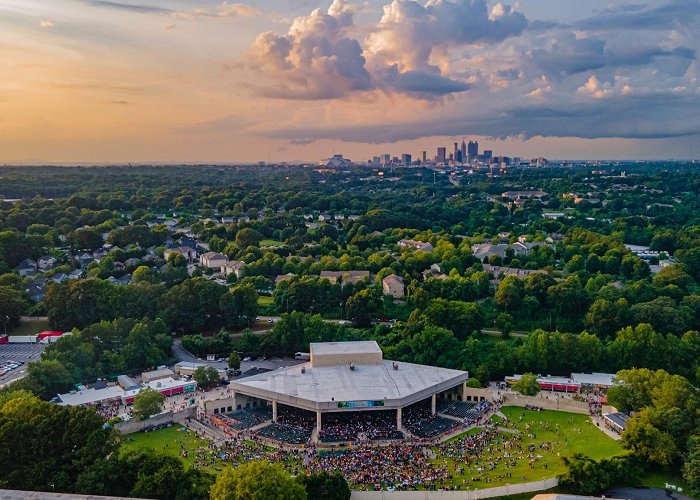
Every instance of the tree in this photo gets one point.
(509, 295)
(691, 468)
(527, 385)
(504, 322)
(234, 361)
(363, 307)
(239, 306)
(147, 403)
(46, 378)
(248, 237)
(585, 476)
(605, 317)
(145, 273)
(87, 238)
(257, 480)
(12, 305)
(325, 486)
(47, 446)
(462, 318)
(206, 376)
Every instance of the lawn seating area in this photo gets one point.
(285, 433)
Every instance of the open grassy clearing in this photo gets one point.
(502, 462)
(265, 300)
(172, 440)
(271, 243)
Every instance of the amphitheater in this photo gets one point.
(347, 392)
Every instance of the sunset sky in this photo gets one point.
(188, 81)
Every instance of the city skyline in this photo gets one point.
(200, 81)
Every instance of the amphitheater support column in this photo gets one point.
(318, 421)
(398, 419)
(274, 411)
(464, 391)
(433, 404)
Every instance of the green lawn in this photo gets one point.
(657, 478)
(29, 328)
(576, 435)
(169, 441)
(172, 440)
(264, 300)
(271, 243)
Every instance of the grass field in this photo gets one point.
(271, 243)
(575, 435)
(264, 300)
(29, 328)
(658, 478)
(169, 441)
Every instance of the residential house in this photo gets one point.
(189, 242)
(36, 292)
(59, 278)
(46, 262)
(418, 245)
(190, 254)
(77, 274)
(233, 267)
(282, 277)
(434, 271)
(485, 250)
(345, 276)
(27, 267)
(84, 259)
(132, 262)
(100, 254)
(213, 260)
(497, 271)
(393, 285)
(228, 220)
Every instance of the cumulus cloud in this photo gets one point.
(45, 24)
(322, 57)
(315, 59)
(595, 88)
(505, 75)
(408, 32)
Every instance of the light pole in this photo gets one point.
(7, 318)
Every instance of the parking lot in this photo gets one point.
(21, 352)
(16, 357)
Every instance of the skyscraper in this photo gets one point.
(425, 156)
(441, 154)
(472, 150)
(455, 153)
(464, 151)
(406, 159)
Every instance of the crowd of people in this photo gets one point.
(501, 451)
(358, 426)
